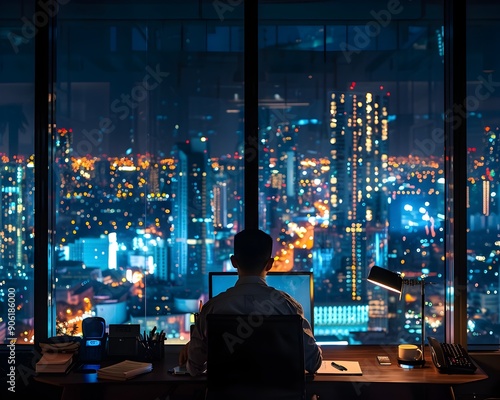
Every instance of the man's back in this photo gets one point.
(250, 295)
(253, 259)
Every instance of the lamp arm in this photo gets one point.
(422, 296)
(422, 283)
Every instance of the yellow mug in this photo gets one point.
(409, 352)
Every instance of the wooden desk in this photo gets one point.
(158, 384)
(390, 381)
(421, 383)
(375, 373)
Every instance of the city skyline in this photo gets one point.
(409, 187)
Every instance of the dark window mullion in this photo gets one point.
(251, 66)
(44, 124)
(455, 172)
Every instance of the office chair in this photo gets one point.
(255, 357)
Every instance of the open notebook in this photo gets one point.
(338, 367)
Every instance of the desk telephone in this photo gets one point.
(451, 358)
(94, 339)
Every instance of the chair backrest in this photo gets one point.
(255, 357)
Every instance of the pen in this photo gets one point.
(200, 306)
(338, 366)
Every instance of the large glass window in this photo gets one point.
(149, 174)
(351, 173)
(148, 161)
(483, 152)
(17, 171)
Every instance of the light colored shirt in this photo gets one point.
(250, 294)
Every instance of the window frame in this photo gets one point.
(455, 173)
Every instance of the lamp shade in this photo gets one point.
(385, 278)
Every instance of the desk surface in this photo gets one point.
(365, 355)
(375, 373)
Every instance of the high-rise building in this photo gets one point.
(93, 252)
(359, 140)
(12, 215)
(228, 206)
(482, 188)
(193, 230)
(279, 174)
(160, 259)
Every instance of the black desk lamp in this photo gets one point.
(395, 282)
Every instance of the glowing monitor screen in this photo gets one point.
(299, 285)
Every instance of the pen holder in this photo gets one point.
(151, 350)
(151, 346)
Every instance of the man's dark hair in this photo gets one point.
(252, 249)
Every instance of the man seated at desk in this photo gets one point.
(252, 259)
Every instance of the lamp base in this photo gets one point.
(411, 363)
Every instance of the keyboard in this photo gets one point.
(451, 357)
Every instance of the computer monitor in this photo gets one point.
(299, 285)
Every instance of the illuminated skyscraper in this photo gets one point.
(482, 188)
(490, 177)
(359, 141)
(220, 202)
(193, 232)
(228, 192)
(94, 252)
(279, 173)
(12, 215)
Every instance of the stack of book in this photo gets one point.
(124, 370)
(54, 363)
(58, 355)
(59, 347)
